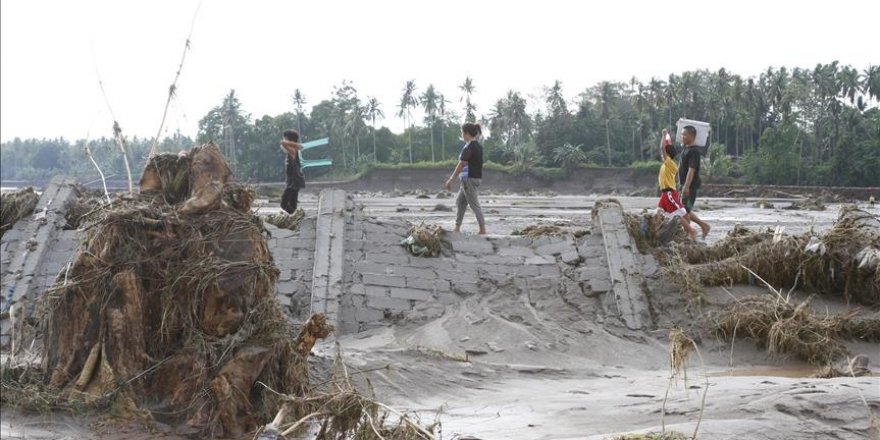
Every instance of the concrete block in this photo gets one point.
(477, 246)
(447, 298)
(384, 280)
(518, 241)
(357, 289)
(550, 271)
(414, 294)
(374, 268)
(411, 272)
(442, 286)
(570, 257)
(504, 259)
(456, 276)
(397, 258)
(375, 291)
(420, 283)
(541, 283)
(591, 251)
(590, 273)
(433, 263)
(554, 248)
(540, 260)
(369, 315)
(465, 288)
(468, 259)
(599, 285)
(526, 270)
(287, 287)
(395, 305)
(515, 251)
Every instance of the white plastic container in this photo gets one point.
(703, 130)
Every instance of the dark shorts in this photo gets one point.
(289, 200)
(690, 200)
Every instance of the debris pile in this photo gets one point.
(845, 260)
(286, 221)
(424, 240)
(168, 310)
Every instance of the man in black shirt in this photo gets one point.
(689, 176)
(296, 180)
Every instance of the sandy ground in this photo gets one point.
(509, 365)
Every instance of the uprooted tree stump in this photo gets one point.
(169, 306)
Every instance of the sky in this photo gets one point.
(53, 52)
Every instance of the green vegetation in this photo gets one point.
(807, 126)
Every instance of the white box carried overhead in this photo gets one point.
(703, 130)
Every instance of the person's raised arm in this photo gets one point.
(662, 140)
(291, 147)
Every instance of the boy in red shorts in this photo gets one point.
(670, 204)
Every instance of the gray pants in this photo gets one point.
(467, 196)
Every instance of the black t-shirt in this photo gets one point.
(690, 158)
(473, 155)
(295, 177)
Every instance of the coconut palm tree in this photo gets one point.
(299, 102)
(556, 105)
(407, 102)
(429, 103)
(606, 93)
(373, 112)
(871, 84)
(469, 110)
(441, 111)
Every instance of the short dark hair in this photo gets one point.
(670, 150)
(291, 135)
(690, 129)
(472, 129)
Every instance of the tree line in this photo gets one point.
(807, 126)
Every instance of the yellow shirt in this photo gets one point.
(667, 173)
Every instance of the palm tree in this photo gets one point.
(408, 101)
(441, 111)
(299, 101)
(498, 121)
(871, 84)
(373, 112)
(606, 93)
(355, 124)
(429, 103)
(468, 88)
(556, 101)
(569, 156)
(519, 123)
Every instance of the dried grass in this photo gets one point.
(786, 330)
(829, 264)
(15, 206)
(534, 231)
(680, 349)
(669, 435)
(338, 410)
